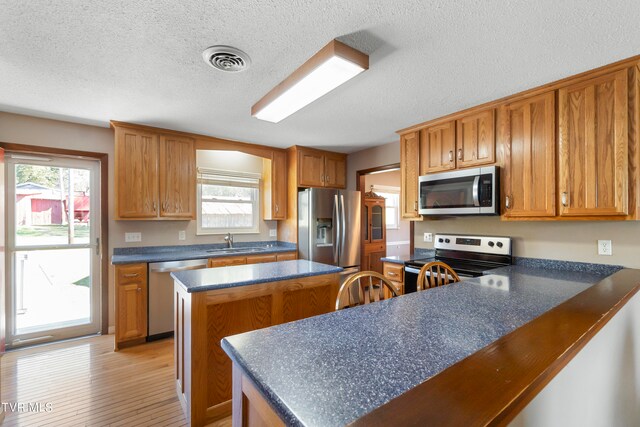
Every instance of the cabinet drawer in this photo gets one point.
(257, 259)
(287, 256)
(227, 261)
(374, 247)
(131, 273)
(394, 272)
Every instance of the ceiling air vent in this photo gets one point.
(226, 58)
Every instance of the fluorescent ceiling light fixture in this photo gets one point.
(333, 65)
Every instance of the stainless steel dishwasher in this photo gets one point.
(161, 295)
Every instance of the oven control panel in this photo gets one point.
(484, 244)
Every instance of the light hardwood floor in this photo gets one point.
(88, 384)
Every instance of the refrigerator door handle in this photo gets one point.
(337, 229)
(343, 226)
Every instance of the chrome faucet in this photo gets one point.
(229, 239)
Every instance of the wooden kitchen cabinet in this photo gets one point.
(318, 168)
(136, 174)
(409, 171)
(250, 259)
(287, 256)
(395, 273)
(476, 139)
(177, 177)
(155, 176)
(274, 186)
(593, 147)
(529, 144)
(131, 303)
(438, 148)
(371, 257)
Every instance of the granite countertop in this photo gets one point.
(178, 253)
(242, 275)
(419, 253)
(331, 369)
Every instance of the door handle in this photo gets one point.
(476, 191)
(343, 225)
(336, 227)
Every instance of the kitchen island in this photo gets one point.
(444, 348)
(217, 302)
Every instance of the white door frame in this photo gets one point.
(94, 326)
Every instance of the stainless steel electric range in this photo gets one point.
(469, 256)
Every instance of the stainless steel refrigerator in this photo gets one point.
(329, 227)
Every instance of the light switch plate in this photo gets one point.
(182, 235)
(604, 247)
(273, 232)
(132, 237)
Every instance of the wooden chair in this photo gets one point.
(440, 274)
(363, 288)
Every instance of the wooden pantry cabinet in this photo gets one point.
(318, 168)
(593, 146)
(375, 233)
(155, 175)
(528, 142)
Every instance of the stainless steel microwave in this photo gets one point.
(464, 192)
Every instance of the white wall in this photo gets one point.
(382, 155)
(20, 129)
(600, 386)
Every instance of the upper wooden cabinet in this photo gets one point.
(438, 148)
(274, 186)
(136, 174)
(476, 139)
(177, 177)
(318, 168)
(409, 171)
(529, 145)
(593, 146)
(154, 175)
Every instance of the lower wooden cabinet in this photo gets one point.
(395, 273)
(287, 256)
(131, 303)
(371, 257)
(250, 259)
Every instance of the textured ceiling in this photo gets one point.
(92, 61)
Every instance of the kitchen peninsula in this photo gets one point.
(470, 353)
(218, 302)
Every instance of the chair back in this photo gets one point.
(436, 274)
(363, 288)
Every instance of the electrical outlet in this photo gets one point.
(428, 237)
(604, 247)
(182, 235)
(132, 237)
(273, 232)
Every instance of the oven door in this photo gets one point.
(411, 278)
(464, 192)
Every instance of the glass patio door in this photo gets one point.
(53, 242)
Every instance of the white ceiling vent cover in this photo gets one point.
(226, 58)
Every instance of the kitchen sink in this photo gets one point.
(236, 250)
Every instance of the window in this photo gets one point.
(392, 204)
(228, 202)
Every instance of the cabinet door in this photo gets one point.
(310, 168)
(177, 177)
(288, 256)
(593, 156)
(409, 169)
(476, 139)
(529, 168)
(136, 174)
(131, 302)
(335, 171)
(377, 223)
(438, 148)
(274, 186)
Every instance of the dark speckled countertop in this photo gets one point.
(332, 369)
(242, 275)
(178, 253)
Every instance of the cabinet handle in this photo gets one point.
(415, 206)
(131, 275)
(391, 273)
(327, 178)
(321, 178)
(451, 155)
(155, 206)
(277, 208)
(507, 202)
(139, 290)
(459, 153)
(564, 199)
